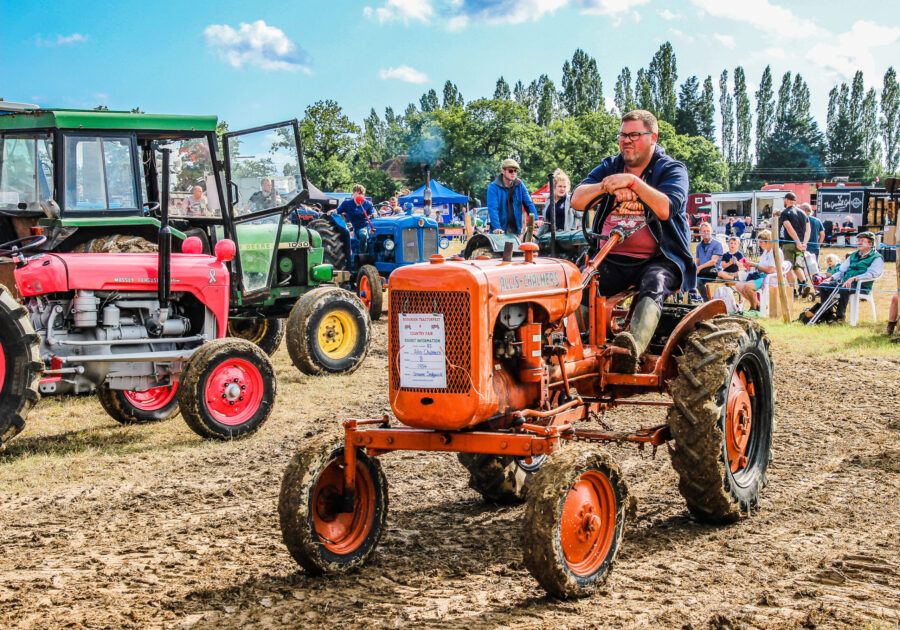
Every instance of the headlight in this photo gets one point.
(444, 243)
(388, 244)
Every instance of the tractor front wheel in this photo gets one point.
(265, 333)
(128, 407)
(368, 288)
(322, 533)
(227, 389)
(723, 418)
(328, 332)
(20, 366)
(574, 522)
(332, 245)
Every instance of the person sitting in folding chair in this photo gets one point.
(862, 266)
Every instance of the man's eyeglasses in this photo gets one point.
(634, 136)
(512, 170)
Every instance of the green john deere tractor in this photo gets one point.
(90, 182)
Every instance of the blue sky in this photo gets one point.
(257, 62)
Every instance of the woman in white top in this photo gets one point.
(758, 271)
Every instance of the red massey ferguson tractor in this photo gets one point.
(147, 330)
(505, 363)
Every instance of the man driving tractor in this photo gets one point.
(648, 192)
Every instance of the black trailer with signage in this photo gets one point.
(867, 207)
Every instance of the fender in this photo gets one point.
(496, 242)
(704, 312)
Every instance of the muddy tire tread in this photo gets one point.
(21, 345)
(377, 304)
(496, 477)
(270, 338)
(119, 410)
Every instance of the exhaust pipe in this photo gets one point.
(426, 203)
(164, 241)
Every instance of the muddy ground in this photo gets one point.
(151, 527)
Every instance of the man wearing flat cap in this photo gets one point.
(506, 197)
(862, 266)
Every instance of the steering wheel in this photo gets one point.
(599, 204)
(27, 243)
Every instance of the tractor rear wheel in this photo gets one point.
(334, 253)
(266, 333)
(723, 418)
(116, 243)
(481, 251)
(322, 537)
(128, 407)
(20, 366)
(574, 522)
(496, 477)
(328, 332)
(368, 288)
(227, 389)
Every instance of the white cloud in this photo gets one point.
(256, 45)
(608, 7)
(851, 51)
(668, 15)
(681, 35)
(457, 23)
(404, 10)
(512, 12)
(763, 15)
(725, 40)
(62, 40)
(405, 74)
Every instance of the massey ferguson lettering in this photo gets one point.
(534, 280)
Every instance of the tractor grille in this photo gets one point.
(429, 243)
(454, 305)
(410, 245)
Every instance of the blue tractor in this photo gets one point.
(394, 241)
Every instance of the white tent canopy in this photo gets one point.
(735, 204)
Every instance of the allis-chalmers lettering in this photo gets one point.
(518, 281)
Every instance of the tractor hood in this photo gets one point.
(389, 223)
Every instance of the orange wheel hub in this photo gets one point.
(588, 523)
(365, 291)
(343, 532)
(738, 420)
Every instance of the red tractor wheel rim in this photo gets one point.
(365, 291)
(152, 399)
(2, 367)
(588, 523)
(738, 420)
(234, 391)
(343, 532)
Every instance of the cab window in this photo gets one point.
(26, 170)
(99, 173)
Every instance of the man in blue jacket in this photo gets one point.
(505, 197)
(649, 192)
(357, 210)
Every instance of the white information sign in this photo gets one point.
(422, 351)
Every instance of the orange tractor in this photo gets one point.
(507, 362)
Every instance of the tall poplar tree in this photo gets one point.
(663, 74)
(624, 94)
(742, 120)
(687, 117)
(643, 92)
(582, 89)
(890, 120)
(765, 110)
(501, 90)
(783, 107)
(708, 110)
(726, 108)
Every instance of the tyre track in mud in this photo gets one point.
(187, 535)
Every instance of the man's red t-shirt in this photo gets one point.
(641, 244)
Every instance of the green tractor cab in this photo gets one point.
(90, 182)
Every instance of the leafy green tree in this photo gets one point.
(705, 164)
(582, 89)
(578, 145)
(662, 75)
(871, 142)
(844, 136)
(379, 185)
(783, 107)
(889, 125)
(687, 117)
(624, 95)
(394, 133)
(765, 110)
(546, 100)
(452, 96)
(372, 147)
(501, 91)
(707, 110)
(329, 139)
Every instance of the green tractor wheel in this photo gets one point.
(265, 333)
(328, 332)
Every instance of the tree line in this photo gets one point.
(544, 127)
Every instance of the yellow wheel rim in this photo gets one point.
(337, 334)
(252, 330)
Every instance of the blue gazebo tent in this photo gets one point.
(440, 196)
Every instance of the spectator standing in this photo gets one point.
(506, 197)
(357, 211)
(794, 237)
(650, 191)
(709, 251)
(863, 265)
(816, 231)
(567, 218)
(739, 227)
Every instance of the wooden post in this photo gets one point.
(468, 223)
(782, 287)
